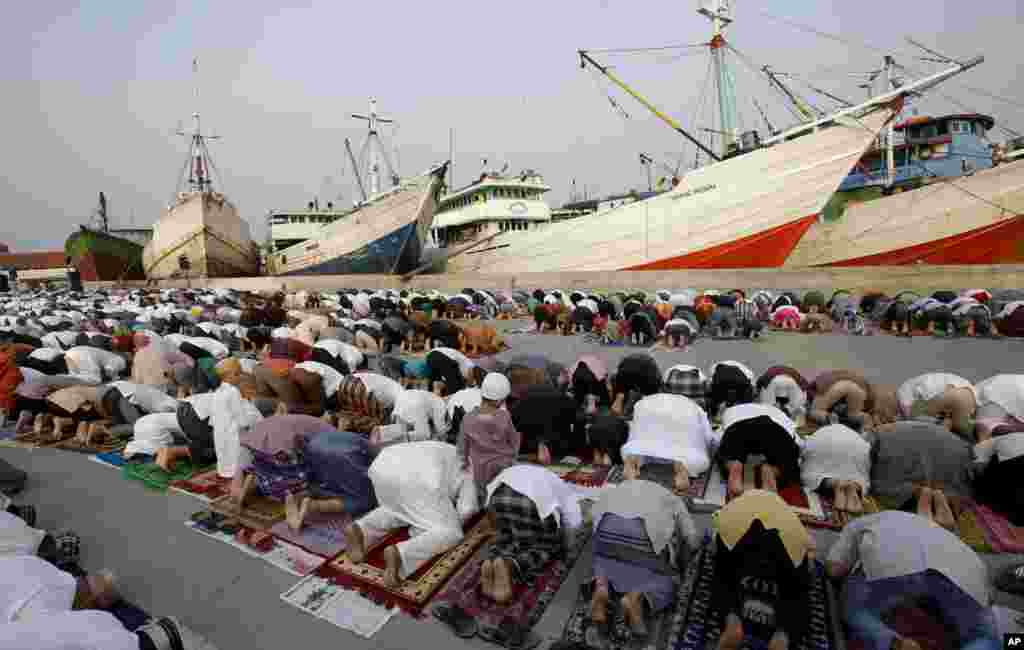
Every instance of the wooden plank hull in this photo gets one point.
(970, 220)
(99, 256)
(714, 218)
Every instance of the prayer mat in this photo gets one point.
(322, 534)
(970, 530)
(112, 443)
(8, 432)
(155, 478)
(582, 475)
(716, 491)
(825, 504)
(528, 601)
(33, 439)
(912, 623)
(208, 486)
(416, 591)
(616, 475)
(260, 512)
(113, 459)
(1003, 536)
(695, 624)
(287, 557)
(347, 609)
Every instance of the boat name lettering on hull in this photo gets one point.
(697, 190)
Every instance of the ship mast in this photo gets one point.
(373, 119)
(719, 12)
(199, 163)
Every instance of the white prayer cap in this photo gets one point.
(496, 387)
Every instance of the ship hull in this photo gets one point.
(385, 236)
(968, 220)
(207, 230)
(99, 256)
(748, 211)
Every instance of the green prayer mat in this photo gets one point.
(155, 478)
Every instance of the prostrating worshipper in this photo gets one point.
(122, 403)
(607, 435)
(531, 370)
(1009, 320)
(383, 389)
(546, 418)
(731, 383)
(417, 415)
(642, 328)
(785, 388)
(159, 364)
(997, 483)
(845, 396)
(488, 441)
(972, 317)
(37, 590)
(636, 377)
(536, 517)
(451, 371)
(759, 430)
(369, 335)
(587, 380)
(397, 331)
(669, 429)
(343, 357)
(921, 466)
(837, 462)
(723, 321)
(787, 317)
(927, 313)
(893, 558)
(95, 364)
(310, 328)
(1000, 406)
(204, 429)
(46, 360)
(943, 395)
(72, 407)
(418, 484)
(461, 403)
(687, 380)
(681, 331)
(10, 378)
(297, 391)
(443, 333)
(330, 379)
(643, 536)
(762, 572)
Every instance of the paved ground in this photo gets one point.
(234, 599)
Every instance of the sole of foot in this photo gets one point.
(356, 544)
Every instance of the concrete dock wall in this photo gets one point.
(889, 279)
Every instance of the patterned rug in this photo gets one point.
(826, 505)
(1001, 535)
(153, 477)
(528, 601)
(33, 439)
(207, 486)
(416, 592)
(323, 533)
(969, 527)
(114, 443)
(695, 623)
(260, 513)
(912, 623)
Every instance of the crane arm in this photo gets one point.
(585, 59)
(355, 167)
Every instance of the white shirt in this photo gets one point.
(1005, 447)
(148, 398)
(835, 452)
(927, 387)
(741, 412)
(924, 304)
(91, 363)
(72, 630)
(350, 354)
(59, 340)
(202, 404)
(216, 348)
(331, 377)
(210, 328)
(547, 491)
(891, 544)
(45, 354)
(589, 304)
(282, 333)
(34, 588)
(469, 399)
(17, 537)
(384, 389)
(420, 481)
(786, 387)
(671, 427)
(465, 363)
(1005, 391)
(424, 412)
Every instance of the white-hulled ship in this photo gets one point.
(201, 235)
(384, 233)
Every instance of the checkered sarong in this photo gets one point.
(688, 383)
(746, 311)
(522, 537)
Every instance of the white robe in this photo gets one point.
(671, 427)
(71, 630)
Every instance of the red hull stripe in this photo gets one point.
(765, 249)
(998, 243)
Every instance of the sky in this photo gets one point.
(93, 92)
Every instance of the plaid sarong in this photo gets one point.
(746, 311)
(688, 383)
(522, 537)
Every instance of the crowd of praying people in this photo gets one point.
(376, 404)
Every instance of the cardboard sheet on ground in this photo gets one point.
(348, 610)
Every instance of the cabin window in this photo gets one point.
(284, 259)
(901, 157)
(942, 128)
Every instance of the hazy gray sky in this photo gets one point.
(93, 91)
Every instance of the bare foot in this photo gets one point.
(599, 602)
(164, 460)
(502, 592)
(924, 503)
(680, 479)
(618, 406)
(732, 635)
(735, 487)
(393, 566)
(780, 641)
(633, 611)
(282, 409)
(943, 515)
(853, 498)
(238, 487)
(900, 643)
(544, 454)
(294, 511)
(631, 468)
(487, 578)
(769, 478)
(356, 544)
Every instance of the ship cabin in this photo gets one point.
(491, 205)
(290, 227)
(926, 149)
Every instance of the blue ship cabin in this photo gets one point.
(927, 148)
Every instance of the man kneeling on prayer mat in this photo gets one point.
(643, 535)
(669, 429)
(894, 558)
(757, 430)
(762, 571)
(420, 485)
(536, 515)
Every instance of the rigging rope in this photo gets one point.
(635, 50)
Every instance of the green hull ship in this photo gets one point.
(101, 256)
